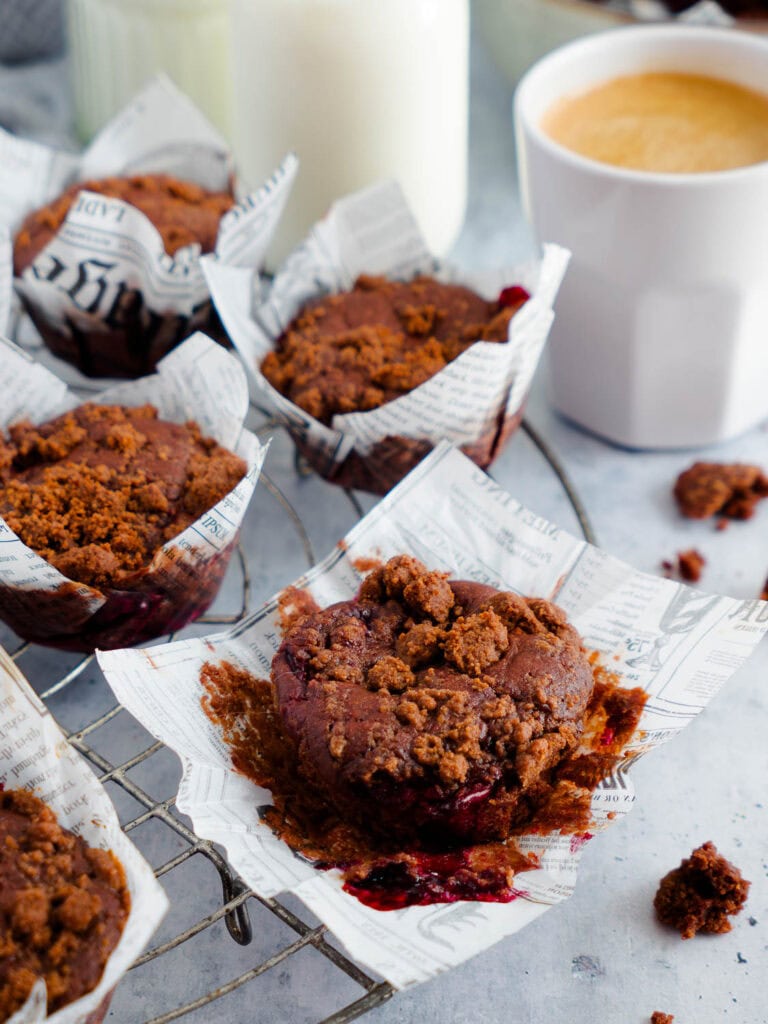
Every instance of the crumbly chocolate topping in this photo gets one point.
(99, 489)
(182, 212)
(701, 894)
(63, 906)
(355, 351)
(714, 488)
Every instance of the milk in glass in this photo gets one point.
(361, 90)
(118, 45)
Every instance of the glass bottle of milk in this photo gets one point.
(118, 45)
(361, 90)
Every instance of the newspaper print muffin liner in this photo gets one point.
(104, 294)
(34, 755)
(198, 381)
(476, 401)
(680, 645)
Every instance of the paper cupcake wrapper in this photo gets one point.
(475, 401)
(40, 759)
(197, 381)
(104, 293)
(6, 281)
(679, 644)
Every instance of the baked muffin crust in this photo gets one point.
(356, 350)
(99, 489)
(63, 906)
(182, 212)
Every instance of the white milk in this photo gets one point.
(118, 45)
(361, 90)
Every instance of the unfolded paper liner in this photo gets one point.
(103, 293)
(680, 645)
(476, 401)
(198, 381)
(34, 755)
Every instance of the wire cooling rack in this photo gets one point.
(130, 781)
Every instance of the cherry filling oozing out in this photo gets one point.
(421, 879)
(514, 295)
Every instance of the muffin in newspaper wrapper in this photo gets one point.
(679, 645)
(198, 381)
(103, 293)
(35, 756)
(476, 401)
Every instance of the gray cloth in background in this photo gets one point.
(35, 102)
(31, 29)
(35, 98)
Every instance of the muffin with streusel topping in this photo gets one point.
(107, 328)
(359, 350)
(445, 705)
(98, 492)
(63, 906)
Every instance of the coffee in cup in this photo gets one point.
(665, 122)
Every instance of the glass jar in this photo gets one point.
(118, 45)
(361, 90)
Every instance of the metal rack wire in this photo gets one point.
(236, 896)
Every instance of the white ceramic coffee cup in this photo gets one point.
(661, 333)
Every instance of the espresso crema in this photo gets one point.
(664, 122)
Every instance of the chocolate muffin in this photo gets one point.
(432, 710)
(127, 339)
(63, 906)
(97, 492)
(356, 350)
(181, 211)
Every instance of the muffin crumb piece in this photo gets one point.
(476, 642)
(657, 1017)
(701, 894)
(690, 564)
(713, 488)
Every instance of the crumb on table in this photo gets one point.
(688, 566)
(711, 488)
(701, 894)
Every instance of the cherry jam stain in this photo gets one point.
(420, 879)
